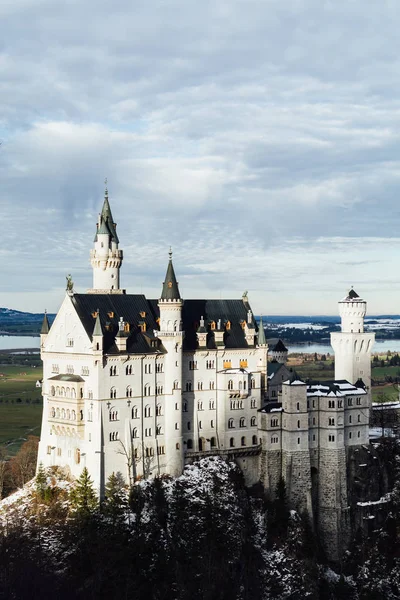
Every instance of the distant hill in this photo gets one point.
(22, 323)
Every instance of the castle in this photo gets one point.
(144, 387)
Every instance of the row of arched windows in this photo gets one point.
(242, 422)
(243, 441)
(64, 392)
(69, 415)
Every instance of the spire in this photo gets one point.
(170, 289)
(261, 333)
(106, 222)
(97, 326)
(45, 325)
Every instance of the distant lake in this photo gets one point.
(16, 342)
(379, 346)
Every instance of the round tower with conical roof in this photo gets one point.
(106, 258)
(353, 345)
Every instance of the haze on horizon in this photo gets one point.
(259, 138)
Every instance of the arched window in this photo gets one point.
(147, 390)
(253, 403)
(242, 422)
(213, 442)
(147, 411)
(254, 440)
(129, 392)
(231, 424)
(199, 385)
(68, 414)
(53, 412)
(240, 385)
(199, 406)
(253, 384)
(58, 413)
(244, 385)
(232, 443)
(188, 386)
(176, 385)
(189, 425)
(243, 441)
(135, 432)
(158, 410)
(63, 413)
(253, 422)
(230, 384)
(185, 407)
(53, 390)
(189, 444)
(212, 404)
(73, 415)
(158, 430)
(135, 414)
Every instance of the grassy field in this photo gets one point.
(20, 414)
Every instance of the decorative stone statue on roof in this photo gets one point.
(70, 285)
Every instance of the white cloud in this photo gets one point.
(260, 139)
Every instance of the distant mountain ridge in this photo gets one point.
(16, 321)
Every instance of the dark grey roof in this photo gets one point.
(353, 294)
(130, 307)
(273, 367)
(279, 347)
(45, 325)
(234, 311)
(113, 306)
(170, 290)
(267, 408)
(106, 224)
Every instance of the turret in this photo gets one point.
(106, 258)
(352, 345)
(171, 335)
(279, 352)
(44, 330)
(97, 335)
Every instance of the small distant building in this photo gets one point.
(279, 352)
(39, 383)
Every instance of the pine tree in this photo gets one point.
(115, 502)
(41, 482)
(83, 497)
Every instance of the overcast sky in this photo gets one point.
(259, 138)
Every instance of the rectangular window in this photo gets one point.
(58, 451)
(48, 449)
(358, 401)
(298, 440)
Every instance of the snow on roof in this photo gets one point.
(338, 389)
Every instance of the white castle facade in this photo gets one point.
(145, 386)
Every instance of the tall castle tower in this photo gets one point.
(352, 345)
(171, 335)
(105, 257)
